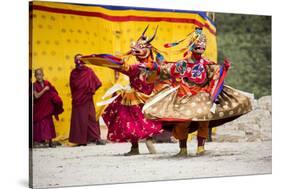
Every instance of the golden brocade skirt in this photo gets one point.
(230, 103)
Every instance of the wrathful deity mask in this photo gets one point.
(142, 48)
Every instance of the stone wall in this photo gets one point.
(251, 127)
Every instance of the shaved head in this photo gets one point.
(39, 74)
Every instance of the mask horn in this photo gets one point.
(151, 38)
(144, 30)
(142, 35)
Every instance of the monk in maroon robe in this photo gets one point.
(47, 103)
(84, 126)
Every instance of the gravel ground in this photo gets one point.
(69, 166)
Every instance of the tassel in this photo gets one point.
(168, 45)
(155, 50)
(159, 57)
(112, 90)
(109, 101)
(185, 54)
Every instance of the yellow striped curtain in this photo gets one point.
(61, 30)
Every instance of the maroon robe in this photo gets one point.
(84, 126)
(44, 108)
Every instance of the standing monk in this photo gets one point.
(46, 104)
(83, 84)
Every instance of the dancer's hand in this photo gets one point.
(227, 63)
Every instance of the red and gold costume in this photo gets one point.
(123, 115)
(197, 96)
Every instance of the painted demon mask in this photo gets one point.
(142, 49)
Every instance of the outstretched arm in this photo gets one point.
(104, 60)
(164, 71)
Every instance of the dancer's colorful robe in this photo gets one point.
(124, 116)
(192, 101)
(44, 108)
(84, 126)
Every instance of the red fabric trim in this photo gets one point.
(220, 82)
(173, 120)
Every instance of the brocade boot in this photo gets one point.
(133, 151)
(200, 151)
(182, 153)
(200, 148)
